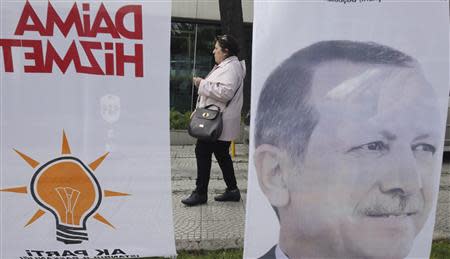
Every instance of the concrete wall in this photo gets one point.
(207, 9)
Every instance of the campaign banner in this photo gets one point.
(85, 158)
(349, 102)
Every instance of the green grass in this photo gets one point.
(219, 254)
(203, 254)
(439, 250)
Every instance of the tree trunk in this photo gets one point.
(232, 22)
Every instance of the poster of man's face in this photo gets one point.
(347, 145)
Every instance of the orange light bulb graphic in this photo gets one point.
(69, 190)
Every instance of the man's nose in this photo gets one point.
(402, 176)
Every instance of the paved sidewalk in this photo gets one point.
(218, 225)
(215, 225)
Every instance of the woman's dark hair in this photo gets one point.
(228, 42)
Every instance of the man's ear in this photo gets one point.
(271, 169)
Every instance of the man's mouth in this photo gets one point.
(377, 206)
(389, 214)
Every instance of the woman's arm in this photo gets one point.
(221, 87)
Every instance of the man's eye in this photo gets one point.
(372, 147)
(423, 147)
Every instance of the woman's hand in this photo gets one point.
(196, 81)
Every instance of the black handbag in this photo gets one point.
(206, 123)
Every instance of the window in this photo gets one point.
(186, 55)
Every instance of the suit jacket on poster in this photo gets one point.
(270, 254)
(219, 87)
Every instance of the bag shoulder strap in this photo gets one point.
(232, 97)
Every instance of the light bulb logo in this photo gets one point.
(68, 189)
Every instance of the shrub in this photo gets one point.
(179, 120)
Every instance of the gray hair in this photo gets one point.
(285, 115)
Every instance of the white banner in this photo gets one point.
(85, 159)
(349, 100)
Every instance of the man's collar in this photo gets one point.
(279, 254)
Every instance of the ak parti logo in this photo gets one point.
(67, 188)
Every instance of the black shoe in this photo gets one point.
(195, 199)
(233, 195)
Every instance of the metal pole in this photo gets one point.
(195, 57)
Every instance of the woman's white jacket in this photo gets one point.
(219, 87)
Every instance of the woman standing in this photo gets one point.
(222, 86)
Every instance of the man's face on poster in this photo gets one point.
(366, 183)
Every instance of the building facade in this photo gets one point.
(195, 23)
